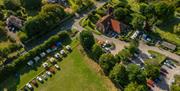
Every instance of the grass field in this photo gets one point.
(75, 75)
(174, 38)
(158, 56)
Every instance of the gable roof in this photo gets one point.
(116, 25)
(104, 19)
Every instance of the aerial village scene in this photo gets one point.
(89, 45)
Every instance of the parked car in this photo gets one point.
(52, 60)
(44, 76)
(168, 65)
(45, 65)
(162, 73)
(157, 80)
(62, 52)
(57, 66)
(52, 70)
(170, 62)
(164, 70)
(57, 55)
(25, 88)
(48, 73)
(39, 79)
(34, 83)
(29, 86)
(68, 47)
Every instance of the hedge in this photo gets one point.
(11, 68)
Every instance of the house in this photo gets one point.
(14, 22)
(107, 24)
(168, 45)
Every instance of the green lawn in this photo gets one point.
(158, 56)
(174, 38)
(75, 75)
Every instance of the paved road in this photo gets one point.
(143, 47)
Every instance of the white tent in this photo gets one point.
(37, 58)
(43, 54)
(30, 63)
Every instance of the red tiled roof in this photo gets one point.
(116, 25)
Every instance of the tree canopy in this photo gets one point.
(107, 62)
(135, 74)
(135, 87)
(11, 4)
(96, 51)
(87, 40)
(50, 15)
(152, 70)
(31, 4)
(138, 21)
(119, 74)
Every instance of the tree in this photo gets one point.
(107, 62)
(139, 1)
(119, 13)
(152, 70)
(1, 15)
(143, 8)
(31, 4)
(135, 74)
(177, 29)
(87, 40)
(177, 3)
(135, 87)
(11, 4)
(138, 22)
(96, 51)
(124, 55)
(164, 11)
(119, 74)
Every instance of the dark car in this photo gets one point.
(164, 70)
(34, 83)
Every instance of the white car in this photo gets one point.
(39, 79)
(68, 47)
(57, 66)
(48, 73)
(57, 55)
(45, 64)
(44, 76)
(168, 65)
(29, 86)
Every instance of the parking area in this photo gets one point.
(167, 78)
(53, 55)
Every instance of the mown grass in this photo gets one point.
(174, 38)
(158, 56)
(75, 75)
